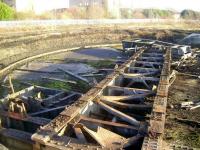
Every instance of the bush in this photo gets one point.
(126, 13)
(24, 15)
(157, 13)
(190, 14)
(6, 12)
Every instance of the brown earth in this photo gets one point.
(16, 46)
(185, 88)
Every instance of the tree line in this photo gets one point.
(96, 12)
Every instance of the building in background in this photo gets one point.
(41, 6)
(85, 3)
(111, 6)
(37, 6)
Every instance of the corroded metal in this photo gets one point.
(111, 84)
(105, 117)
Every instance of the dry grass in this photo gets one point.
(181, 25)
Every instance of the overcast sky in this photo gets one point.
(163, 4)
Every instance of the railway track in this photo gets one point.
(124, 111)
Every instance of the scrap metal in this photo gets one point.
(107, 117)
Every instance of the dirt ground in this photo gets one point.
(185, 88)
(19, 45)
(178, 131)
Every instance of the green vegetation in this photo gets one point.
(94, 12)
(24, 15)
(90, 12)
(157, 13)
(184, 135)
(146, 13)
(79, 87)
(190, 14)
(6, 12)
(102, 64)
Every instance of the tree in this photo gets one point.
(6, 12)
(190, 14)
(157, 13)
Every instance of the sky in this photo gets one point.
(163, 4)
(45, 5)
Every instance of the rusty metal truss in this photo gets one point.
(125, 110)
(104, 117)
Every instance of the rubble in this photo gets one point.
(192, 40)
(190, 105)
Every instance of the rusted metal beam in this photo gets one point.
(157, 121)
(129, 74)
(142, 78)
(144, 69)
(68, 98)
(127, 106)
(79, 133)
(132, 140)
(16, 134)
(35, 120)
(46, 111)
(107, 123)
(106, 138)
(74, 75)
(91, 102)
(149, 63)
(135, 90)
(48, 101)
(151, 59)
(119, 114)
(135, 97)
(152, 54)
(60, 80)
